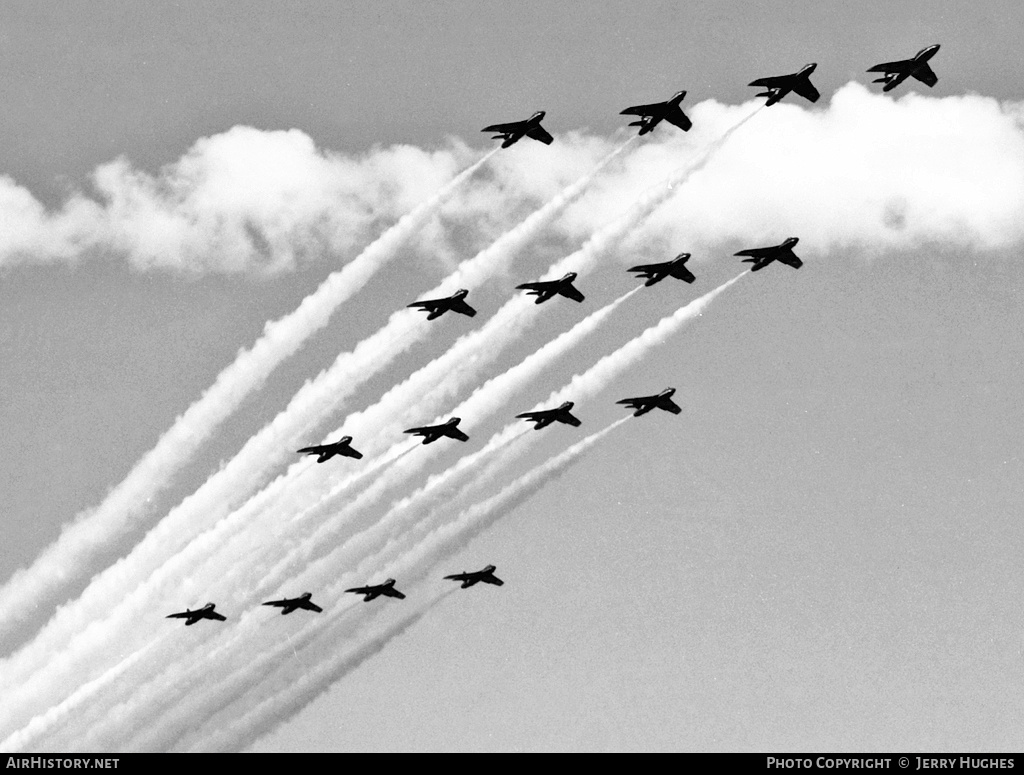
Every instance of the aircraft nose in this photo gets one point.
(810, 66)
(792, 240)
(455, 421)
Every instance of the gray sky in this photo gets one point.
(820, 552)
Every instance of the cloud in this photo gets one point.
(244, 200)
(868, 172)
(865, 171)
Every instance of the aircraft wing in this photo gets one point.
(215, 615)
(569, 419)
(460, 576)
(534, 416)
(925, 74)
(789, 258)
(653, 109)
(679, 119)
(511, 127)
(280, 603)
(455, 433)
(539, 285)
(490, 578)
(460, 306)
(311, 606)
(893, 81)
(634, 403)
(805, 89)
(772, 82)
(182, 615)
(391, 592)
(669, 405)
(892, 67)
(755, 252)
(424, 431)
(539, 133)
(682, 273)
(570, 292)
(430, 306)
(312, 450)
(649, 268)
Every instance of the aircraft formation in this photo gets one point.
(776, 89)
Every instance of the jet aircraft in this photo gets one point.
(645, 404)
(655, 273)
(191, 617)
(454, 303)
(895, 73)
(374, 591)
(544, 417)
(469, 579)
(515, 131)
(432, 433)
(294, 603)
(654, 114)
(779, 86)
(764, 256)
(326, 451)
(546, 289)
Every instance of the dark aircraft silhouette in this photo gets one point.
(654, 114)
(432, 433)
(291, 604)
(779, 86)
(373, 592)
(895, 73)
(544, 417)
(546, 289)
(655, 273)
(326, 451)
(764, 256)
(469, 579)
(645, 404)
(515, 131)
(191, 617)
(454, 303)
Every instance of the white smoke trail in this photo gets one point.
(490, 397)
(442, 378)
(221, 492)
(41, 725)
(263, 715)
(901, 200)
(368, 550)
(72, 556)
(246, 568)
(214, 499)
(438, 487)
